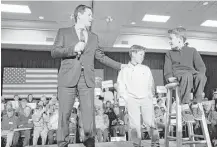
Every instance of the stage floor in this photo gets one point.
(145, 143)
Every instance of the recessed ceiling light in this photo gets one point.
(133, 23)
(15, 8)
(209, 23)
(41, 17)
(205, 3)
(155, 18)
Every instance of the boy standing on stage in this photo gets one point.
(136, 87)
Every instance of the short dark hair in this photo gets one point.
(80, 9)
(179, 32)
(136, 48)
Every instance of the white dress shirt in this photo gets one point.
(78, 28)
(136, 82)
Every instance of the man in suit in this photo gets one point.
(77, 47)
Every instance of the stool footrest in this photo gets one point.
(195, 142)
(199, 136)
(171, 138)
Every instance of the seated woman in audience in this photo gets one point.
(102, 125)
(73, 125)
(40, 124)
(7, 106)
(25, 121)
(8, 124)
(53, 123)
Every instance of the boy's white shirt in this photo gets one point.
(135, 81)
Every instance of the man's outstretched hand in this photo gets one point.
(123, 66)
(172, 79)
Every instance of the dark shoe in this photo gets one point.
(90, 142)
(197, 113)
(187, 115)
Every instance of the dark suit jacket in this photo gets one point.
(70, 69)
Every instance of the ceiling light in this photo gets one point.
(41, 17)
(155, 18)
(133, 23)
(209, 23)
(205, 3)
(15, 8)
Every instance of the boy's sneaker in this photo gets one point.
(197, 113)
(187, 115)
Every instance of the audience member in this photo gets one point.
(115, 123)
(73, 121)
(102, 125)
(8, 124)
(108, 96)
(16, 103)
(3, 103)
(23, 106)
(30, 99)
(25, 121)
(214, 94)
(40, 126)
(53, 123)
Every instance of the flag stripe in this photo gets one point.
(36, 70)
(28, 85)
(41, 76)
(41, 81)
(29, 90)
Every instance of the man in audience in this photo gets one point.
(25, 121)
(3, 103)
(102, 125)
(30, 99)
(136, 86)
(115, 124)
(8, 124)
(73, 125)
(40, 124)
(16, 103)
(214, 94)
(184, 64)
(23, 106)
(53, 123)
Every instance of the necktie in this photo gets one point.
(82, 37)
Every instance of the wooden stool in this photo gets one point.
(180, 141)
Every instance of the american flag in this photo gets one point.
(24, 81)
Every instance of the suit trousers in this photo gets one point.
(66, 97)
(188, 83)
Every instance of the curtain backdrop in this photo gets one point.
(43, 59)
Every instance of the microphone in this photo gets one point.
(79, 53)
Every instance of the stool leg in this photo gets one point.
(191, 133)
(167, 127)
(204, 127)
(178, 120)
